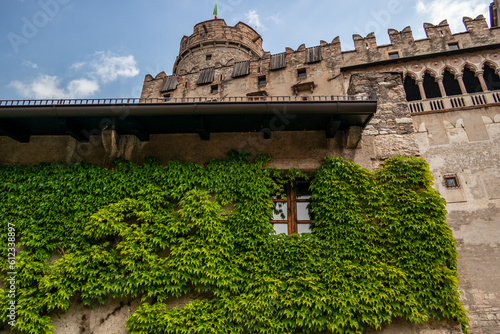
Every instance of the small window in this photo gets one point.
(208, 57)
(394, 55)
(214, 89)
(262, 81)
(302, 73)
(166, 97)
(451, 181)
(453, 46)
(291, 215)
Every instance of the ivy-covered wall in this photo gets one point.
(380, 249)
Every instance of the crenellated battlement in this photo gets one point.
(221, 60)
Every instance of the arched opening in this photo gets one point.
(471, 82)
(451, 85)
(431, 87)
(492, 79)
(411, 89)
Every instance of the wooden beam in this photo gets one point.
(202, 127)
(14, 131)
(75, 129)
(332, 126)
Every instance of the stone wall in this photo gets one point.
(467, 144)
(463, 142)
(244, 41)
(227, 45)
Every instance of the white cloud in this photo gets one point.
(82, 88)
(48, 87)
(275, 18)
(103, 68)
(109, 67)
(254, 20)
(31, 64)
(77, 66)
(452, 10)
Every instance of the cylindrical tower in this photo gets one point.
(213, 42)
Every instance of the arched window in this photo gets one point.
(431, 87)
(492, 79)
(471, 82)
(451, 85)
(411, 89)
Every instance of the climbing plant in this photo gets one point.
(380, 248)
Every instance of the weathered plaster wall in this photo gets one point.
(467, 144)
(112, 319)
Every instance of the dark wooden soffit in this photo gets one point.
(145, 119)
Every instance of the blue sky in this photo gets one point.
(104, 48)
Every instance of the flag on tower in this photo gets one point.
(215, 10)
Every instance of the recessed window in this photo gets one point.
(166, 97)
(302, 73)
(208, 57)
(262, 81)
(453, 46)
(291, 214)
(214, 89)
(394, 55)
(451, 181)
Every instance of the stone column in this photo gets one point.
(460, 79)
(420, 83)
(479, 75)
(439, 80)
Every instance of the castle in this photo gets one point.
(437, 98)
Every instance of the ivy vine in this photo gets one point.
(380, 248)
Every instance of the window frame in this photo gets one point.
(302, 73)
(451, 181)
(214, 89)
(393, 55)
(291, 201)
(262, 80)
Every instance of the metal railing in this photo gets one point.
(121, 101)
(454, 102)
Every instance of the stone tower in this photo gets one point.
(213, 43)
